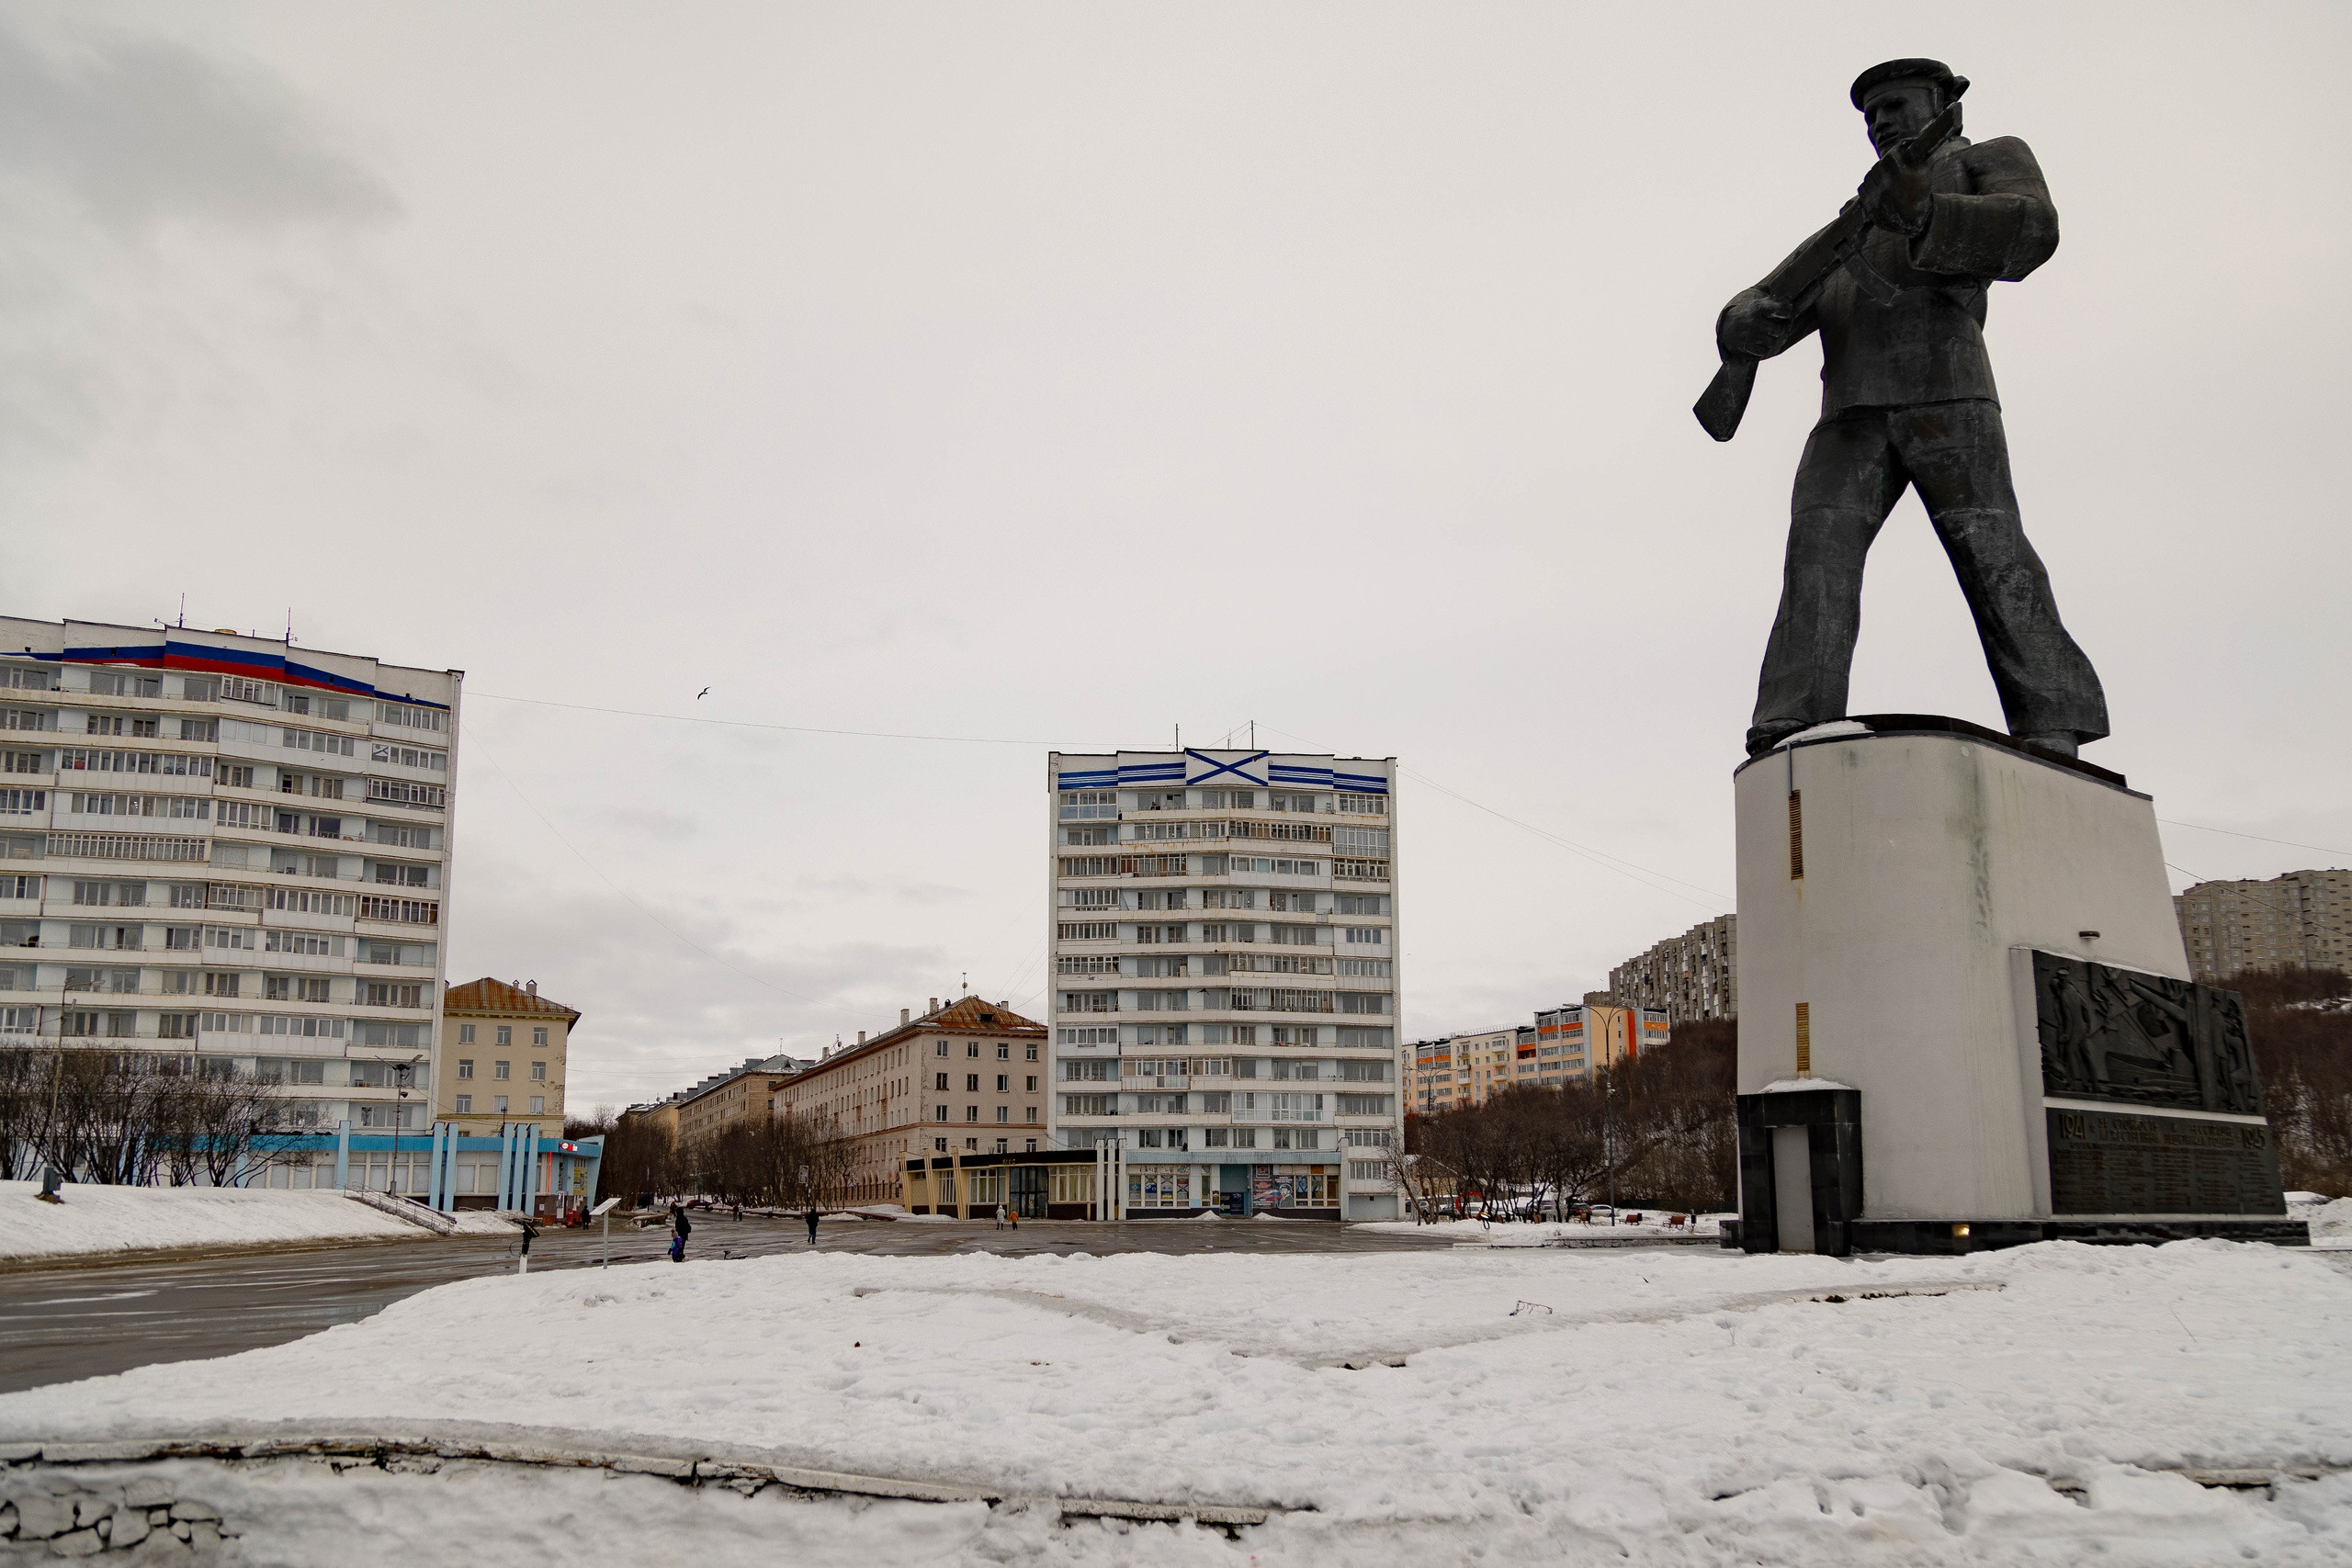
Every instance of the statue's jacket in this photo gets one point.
(1993, 221)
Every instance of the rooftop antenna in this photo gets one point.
(967, 982)
(1253, 735)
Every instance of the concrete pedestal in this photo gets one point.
(1897, 876)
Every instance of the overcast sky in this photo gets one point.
(1056, 375)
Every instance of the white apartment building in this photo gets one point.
(227, 849)
(1223, 926)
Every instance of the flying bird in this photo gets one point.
(704, 693)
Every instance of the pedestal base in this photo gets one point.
(1965, 1017)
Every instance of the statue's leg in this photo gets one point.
(1848, 481)
(1959, 456)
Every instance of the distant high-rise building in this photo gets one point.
(230, 851)
(1223, 939)
(1693, 976)
(2301, 921)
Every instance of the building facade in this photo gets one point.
(1564, 1045)
(967, 1077)
(2301, 921)
(1430, 1086)
(224, 850)
(1223, 935)
(1694, 977)
(503, 1050)
(743, 1093)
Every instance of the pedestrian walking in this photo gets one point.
(812, 1226)
(681, 1227)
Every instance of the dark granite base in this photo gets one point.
(1941, 1238)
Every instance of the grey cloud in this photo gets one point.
(141, 130)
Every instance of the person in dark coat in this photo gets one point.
(1907, 402)
(681, 1227)
(812, 1226)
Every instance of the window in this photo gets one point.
(406, 756)
(1033, 1083)
(318, 945)
(498, 1103)
(1004, 1114)
(1090, 1104)
(1087, 931)
(972, 1049)
(538, 1105)
(1084, 804)
(465, 1035)
(971, 1083)
(28, 677)
(465, 1066)
(539, 1035)
(465, 1104)
(941, 1082)
(971, 1114)
(1159, 1186)
(499, 1069)
(1003, 1083)
(940, 1048)
(539, 1070)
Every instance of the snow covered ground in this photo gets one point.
(139, 1219)
(1681, 1405)
(1515, 1233)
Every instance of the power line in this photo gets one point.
(749, 724)
(1631, 870)
(2258, 838)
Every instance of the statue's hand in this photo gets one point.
(1897, 195)
(1755, 324)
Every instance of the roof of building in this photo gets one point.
(966, 1015)
(780, 1066)
(489, 996)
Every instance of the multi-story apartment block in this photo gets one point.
(1589, 1037)
(1429, 1086)
(2301, 921)
(221, 850)
(1485, 1064)
(504, 1054)
(968, 1076)
(1694, 976)
(1564, 1045)
(1223, 933)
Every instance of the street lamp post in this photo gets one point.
(402, 1074)
(1609, 1142)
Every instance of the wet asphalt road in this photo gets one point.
(59, 1325)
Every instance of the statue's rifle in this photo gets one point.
(1797, 281)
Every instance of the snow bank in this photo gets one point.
(2331, 1223)
(135, 1219)
(1682, 1406)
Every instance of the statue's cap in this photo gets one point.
(1934, 71)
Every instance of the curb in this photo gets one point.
(425, 1446)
